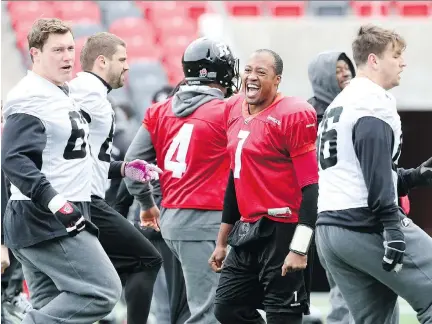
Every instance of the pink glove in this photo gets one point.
(141, 171)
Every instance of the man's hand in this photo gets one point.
(68, 214)
(394, 246)
(217, 258)
(150, 218)
(139, 170)
(5, 262)
(426, 171)
(294, 262)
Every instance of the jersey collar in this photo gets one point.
(109, 88)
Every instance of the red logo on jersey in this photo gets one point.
(66, 209)
(203, 73)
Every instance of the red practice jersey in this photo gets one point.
(261, 148)
(192, 153)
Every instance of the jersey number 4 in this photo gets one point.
(106, 147)
(180, 144)
(327, 140)
(76, 144)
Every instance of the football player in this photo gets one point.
(187, 135)
(104, 62)
(373, 251)
(46, 157)
(273, 187)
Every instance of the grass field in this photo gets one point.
(407, 314)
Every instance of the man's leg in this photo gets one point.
(175, 283)
(339, 312)
(133, 256)
(239, 295)
(71, 280)
(201, 281)
(349, 256)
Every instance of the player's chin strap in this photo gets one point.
(302, 239)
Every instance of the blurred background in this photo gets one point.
(157, 32)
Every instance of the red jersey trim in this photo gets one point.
(292, 219)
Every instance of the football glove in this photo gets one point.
(68, 214)
(139, 170)
(425, 171)
(394, 246)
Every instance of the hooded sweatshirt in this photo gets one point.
(176, 224)
(322, 75)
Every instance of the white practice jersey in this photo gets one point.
(341, 182)
(66, 161)
(92, 95)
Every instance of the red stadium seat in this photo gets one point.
(78, 11)
(162, 10)
(131, 26)
(414, 8)
(141, 47)
(175, 26)
(370, 8)
(286, 8)
(21, 31)
(244, 8)
(30, 10)
(194, 9)
(174, 70)
(79, 44)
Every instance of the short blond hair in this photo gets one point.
(42, 28)
(372, 39)
(99, 44)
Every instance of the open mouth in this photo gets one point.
(252, 90)
(67, 68)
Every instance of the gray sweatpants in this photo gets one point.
(70, 279)
(200, 280)
(354, 260)
(339, 312)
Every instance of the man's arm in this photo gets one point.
(373, 140)
(23, 141)
(411, 178)
(141, 148)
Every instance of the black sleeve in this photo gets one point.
(114, 171)
(123, 200)
(373, 141)
(23, 142)
(4, 201)
(230, 213)
(309, 205)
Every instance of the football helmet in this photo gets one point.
(207, 61)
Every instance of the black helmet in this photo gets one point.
(207, 61)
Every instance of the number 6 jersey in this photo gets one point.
(359, 145)
(58, 147)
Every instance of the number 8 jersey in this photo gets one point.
(65, 157)
(341, 182)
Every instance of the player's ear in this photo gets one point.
(34, 53)
(278, 80)
(101, 61)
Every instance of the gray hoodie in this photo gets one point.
(322, 75)
(176, 224)
(189, 98)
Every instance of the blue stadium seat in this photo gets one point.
(145, 78)
(329, 8)
(86, 29)
(121, 9)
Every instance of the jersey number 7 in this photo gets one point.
(327, 139)
(180, 144)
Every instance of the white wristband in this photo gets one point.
(56, 203)
(302, 239)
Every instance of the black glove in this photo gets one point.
(70, 216)
(425, 171)
(394, 244)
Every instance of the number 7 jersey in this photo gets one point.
(191, 151)
(341, 182)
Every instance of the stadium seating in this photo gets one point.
(159, 31)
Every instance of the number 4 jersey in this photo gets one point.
(59, 149)
(191, 149)
(342, 182)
